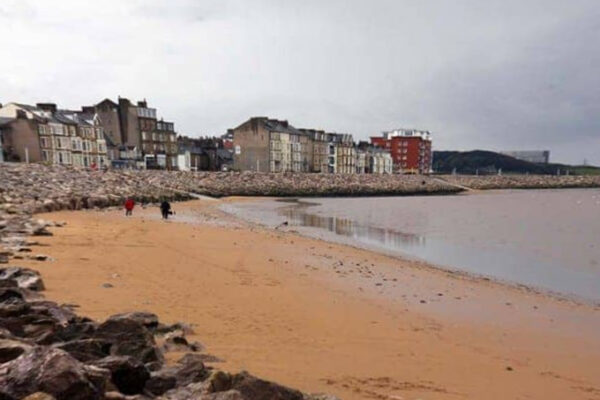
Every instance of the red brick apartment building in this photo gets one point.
(410, 149)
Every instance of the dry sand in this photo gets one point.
(324, 317)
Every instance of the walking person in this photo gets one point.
(165, 209)
(129, 204)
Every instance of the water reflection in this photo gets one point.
(299, 215)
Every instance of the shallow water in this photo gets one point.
(549, 239)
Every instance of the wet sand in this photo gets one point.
(324, 317)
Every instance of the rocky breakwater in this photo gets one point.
(36, 188)
(304, 184)
(486, 182)
(47, 351)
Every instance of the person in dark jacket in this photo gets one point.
(165, 209)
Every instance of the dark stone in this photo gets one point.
(86, 350)
(53, 371)
(72, 331)
(190, 369)
(160, 382)
(26, 278)
(127, 374)
(219, 381)
(254, 388)
(11, 349)
(149, 320)
(129, 338)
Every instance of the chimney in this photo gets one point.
(21, 114)
(142, 104)
(51, 107)
(88, 109)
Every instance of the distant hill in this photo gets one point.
(489, 162)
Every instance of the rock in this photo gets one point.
(178, 326)
(40, 396)
(74, 330)
(176, 341)
(107, 285)
(11, 349)
(128, 337)
(51, 371)
(190, 369)
(127, 374)
(320, 396)
(160, 382)
(26, 278)
(148, 320)
(121, 396)
(219, 381)
(254, 388)
(86, 350)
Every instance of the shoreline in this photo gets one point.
(348, 314)
(332, 238)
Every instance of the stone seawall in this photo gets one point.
(39, 188)
(487, 182)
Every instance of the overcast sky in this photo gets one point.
(498, 75)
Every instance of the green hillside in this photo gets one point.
(489, 162)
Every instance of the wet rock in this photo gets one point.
(127, 374)
(147, 319)
(254, 388)
(26, 278)
(176, 341)
(40, 396)
(86, 350)
(128, 337)
(160, 382)
(219, 381)
(162, 329)
(320, 396)
(51, 371)
(11, 349)
(188, 370)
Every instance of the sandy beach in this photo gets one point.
(323, 317)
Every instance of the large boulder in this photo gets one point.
(52, 371)
(129, 337)
(78, 329)
(128, 375)
(149, 320)
(86, 350)
(26, 278)
(188, 370)
(253, 388)
(11, 349)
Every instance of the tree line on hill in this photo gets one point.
(484, 162)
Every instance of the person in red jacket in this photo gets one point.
(129, 204)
